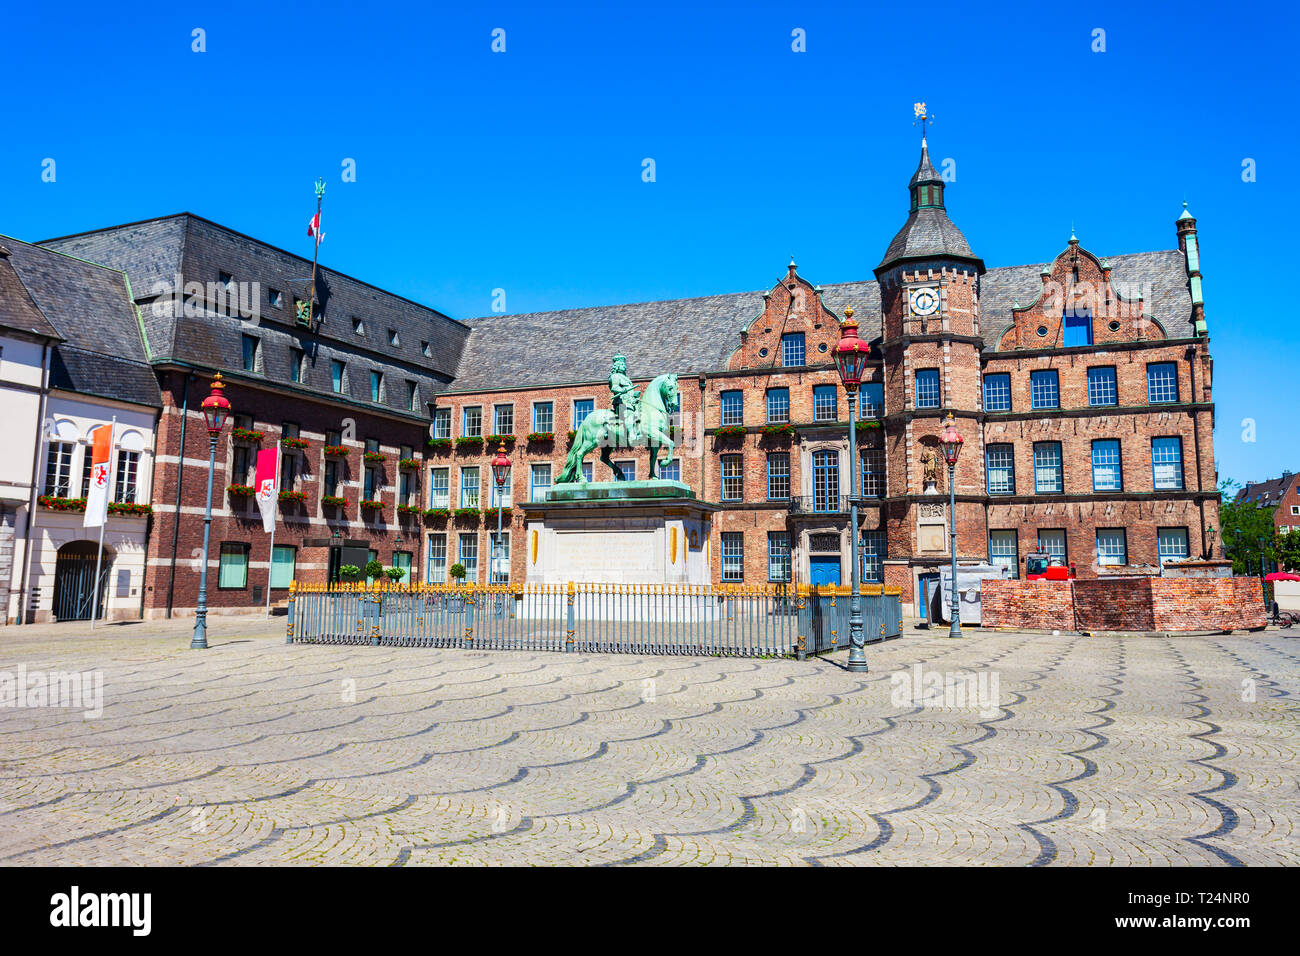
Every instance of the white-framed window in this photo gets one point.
(582, 407)
(543, 417)
(1167, 463)
(873, 472)
(733, 407)
(436, 566)
(469, 486)
(1004, 550)
(871, 400)
(468, 555)
(125, 489)
(588, 471)
(778, 556)
(539, 482)
(1106, 472)
(671, 471)
(503, 419)
(733, 556)
(825, 403)
(472, 422)
(283, 561)
(1000, 467)
(1051, 541)
(1171, 544)
(792, 349)
(1048, 475)
(500, 567)
(733, 481)
(440, 488)
(58, 468)
(627, 466)
(1112, 546)
(873, 556)
(442, 423)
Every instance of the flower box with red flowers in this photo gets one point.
(409, 464)
(375, 458)
(437, 514)
(55, 503)
(335, 451)
(466, 513)
(334, 501)
(240, 491)
(408, 509)
(491, 514)
(469, 442)
(129, 508)
(371, 505)
(246, 434)
(501, 439)
(778, 431)
(294, 444)
(293, 496)
(729, 431)
(439, 444)
(867, 426)
(541, 436)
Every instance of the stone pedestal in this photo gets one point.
(618, 532)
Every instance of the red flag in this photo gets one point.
(313, 227)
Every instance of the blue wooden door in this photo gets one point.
(824, 569)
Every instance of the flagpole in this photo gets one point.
(270, 564)
(315, 251)
(99, 555)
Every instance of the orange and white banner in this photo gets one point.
(100, 451)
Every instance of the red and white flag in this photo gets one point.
(266, 481)
(100, 450)
(313, 228)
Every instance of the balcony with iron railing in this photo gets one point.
(820, 504)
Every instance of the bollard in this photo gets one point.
(293, 590)
(569, 618)
(469, 620)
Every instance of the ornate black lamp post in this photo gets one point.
(1211, 534)
(500, 474)
(851, 360)
(951, 443)
(216, 408)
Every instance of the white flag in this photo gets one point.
(267, 479)
(100, 450)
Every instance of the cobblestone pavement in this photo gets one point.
(1129, 751)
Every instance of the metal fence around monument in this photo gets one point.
(725, 620)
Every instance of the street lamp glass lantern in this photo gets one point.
(851, 354)
(500, 466)
(216, 407)
(950, 441)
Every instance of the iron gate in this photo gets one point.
(74, 580)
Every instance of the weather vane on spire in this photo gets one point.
(922, 116)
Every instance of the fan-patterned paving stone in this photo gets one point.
(1097, 751)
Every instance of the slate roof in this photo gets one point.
(927, 232)
(18, 311)
(1266, 493)
(699, 335)
(155, 251)
(102, 352)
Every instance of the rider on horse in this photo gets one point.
(627, 403)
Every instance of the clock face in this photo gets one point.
(924, 301)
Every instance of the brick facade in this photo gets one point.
(1124, 604)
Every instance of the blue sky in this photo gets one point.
(523, 170)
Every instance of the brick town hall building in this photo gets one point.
(1082, 388)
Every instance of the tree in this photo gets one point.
(349, 572)
(1288, 550)
(374, 570)
(1242, 524)
(457, 571)
(395, 574)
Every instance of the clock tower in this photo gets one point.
(929, 298)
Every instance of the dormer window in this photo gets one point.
(424, 349)
(226, 279)
(275, 297)
(392, 337)
(358, 326)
